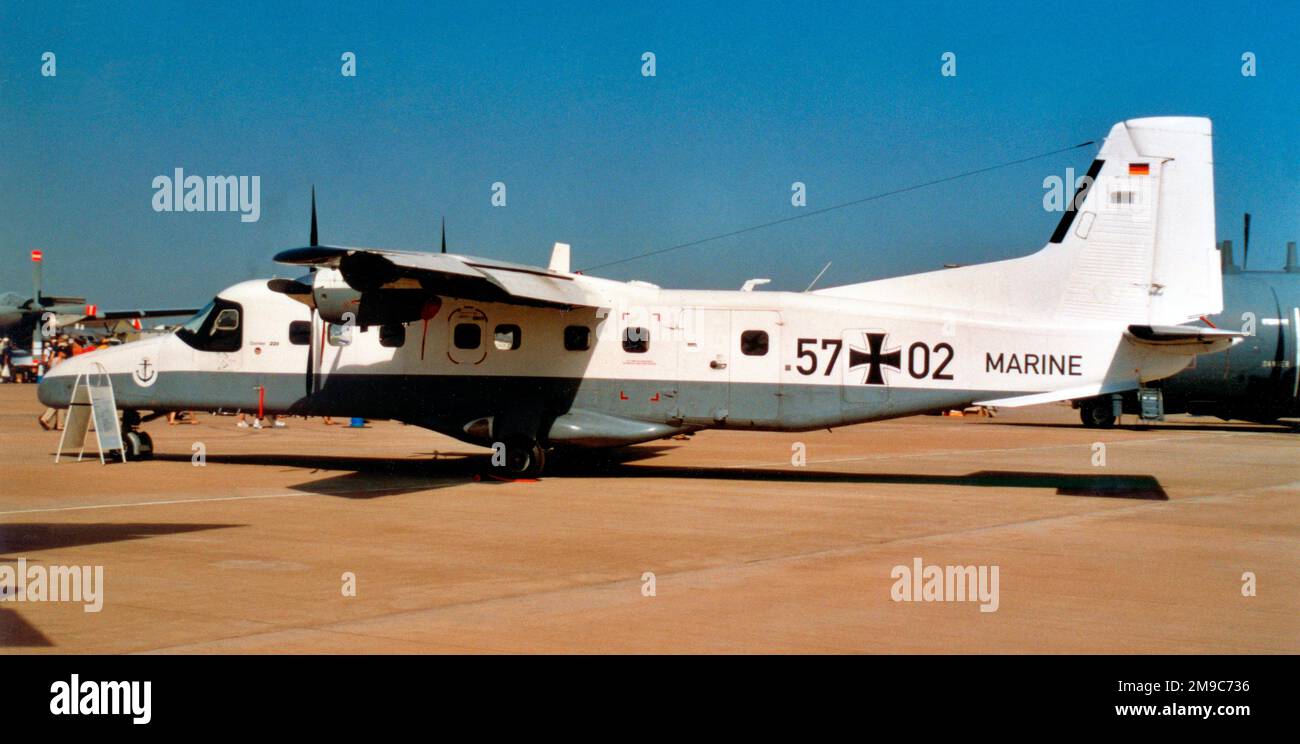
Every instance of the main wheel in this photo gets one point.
(137, 445)
(523, 457)
(1097, 414)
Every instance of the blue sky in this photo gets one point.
(549, 99)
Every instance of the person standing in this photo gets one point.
(52, 413)
(6, 361)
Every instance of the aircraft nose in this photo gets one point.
(55, 389)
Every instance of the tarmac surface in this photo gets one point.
(749, 551)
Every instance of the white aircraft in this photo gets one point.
(528, 359)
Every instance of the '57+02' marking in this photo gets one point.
(919, 358)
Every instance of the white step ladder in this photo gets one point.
(92, 400)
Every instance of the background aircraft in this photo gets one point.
(20, 317)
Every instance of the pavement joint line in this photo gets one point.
(168, 502)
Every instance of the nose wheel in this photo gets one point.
(137, 445)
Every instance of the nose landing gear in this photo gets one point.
(136, 444)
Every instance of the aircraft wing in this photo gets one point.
(108, 320)
(93, 322)
(132, 314)
(367, 269)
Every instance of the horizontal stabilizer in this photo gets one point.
(1182, 339)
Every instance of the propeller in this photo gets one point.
(313, 216)
(444, 234)
(311, 345)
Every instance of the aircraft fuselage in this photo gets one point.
(652, 363)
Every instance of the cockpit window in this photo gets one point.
(216, 327)
(227, 320)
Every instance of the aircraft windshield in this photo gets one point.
(194, 324)
(216, 327)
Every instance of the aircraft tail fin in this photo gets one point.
(1136, 244)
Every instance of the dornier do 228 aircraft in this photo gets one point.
(529, 359)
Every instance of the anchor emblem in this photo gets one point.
(144, 374)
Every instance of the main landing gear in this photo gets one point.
(519, 456)
(1097, 413)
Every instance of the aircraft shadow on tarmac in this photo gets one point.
(19, 539)
(15, 632)
(370, 477)
(374, 477)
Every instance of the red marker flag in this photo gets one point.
(36, 256)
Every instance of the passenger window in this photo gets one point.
(300, 332)
(636, 340)
(506, 337)
(392, 335)
(753, 343)
(467, 336)
(577, 338)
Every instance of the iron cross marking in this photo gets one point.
(876, 357)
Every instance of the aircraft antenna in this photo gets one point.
(824, 210)
(816, 278)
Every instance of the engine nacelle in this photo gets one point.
(335, 300)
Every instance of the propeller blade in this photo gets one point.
(444, 234)
(313, 217)
(310, 381)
